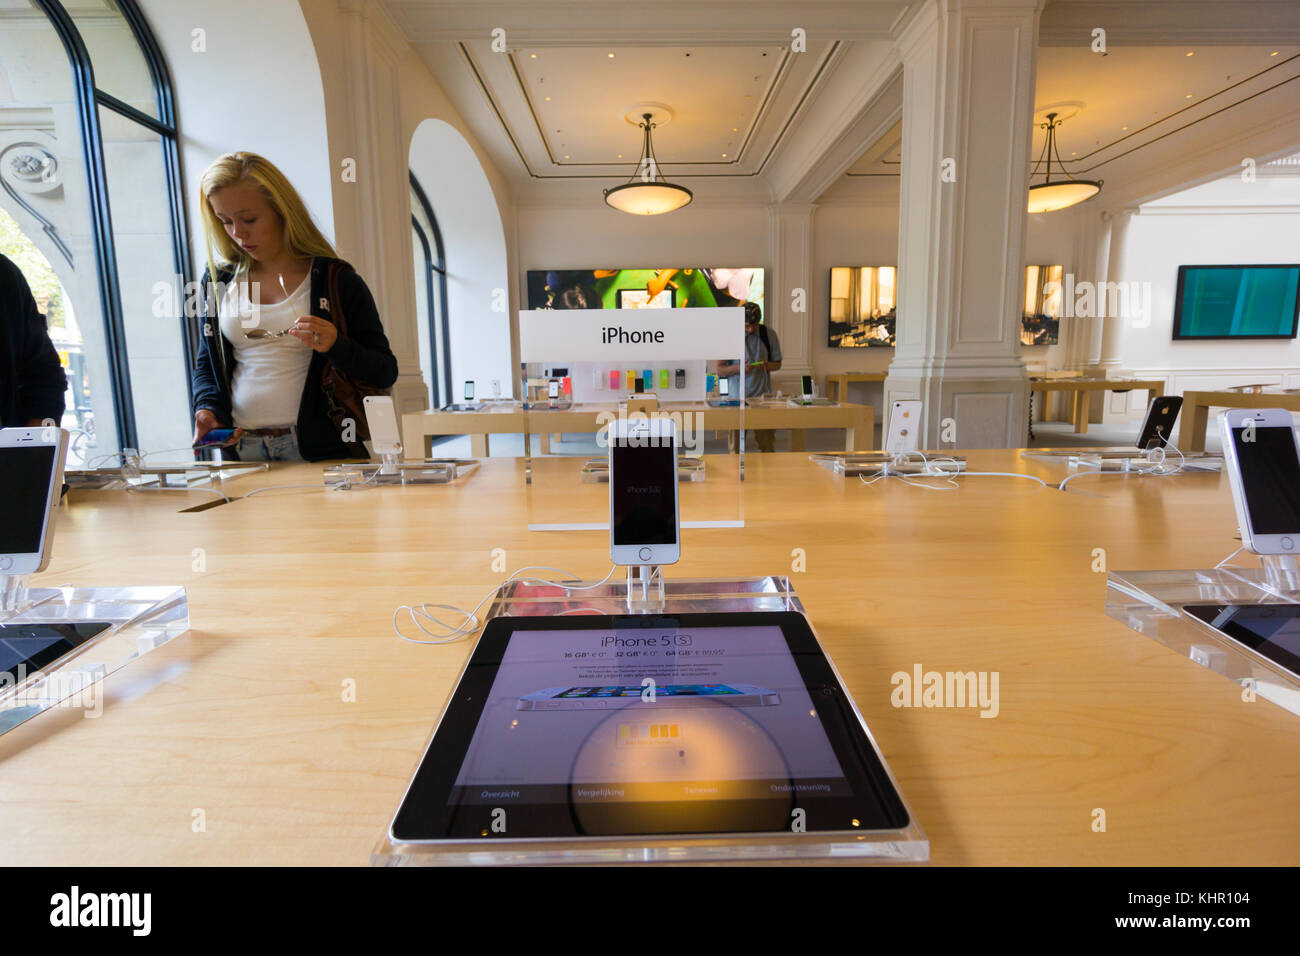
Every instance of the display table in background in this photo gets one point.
(1197, 405)
(1079, 387)
(841, 382)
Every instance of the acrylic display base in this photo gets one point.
(1152, 602)
(1126, 460)
(596, 470)
(854, 464)
(680, 596)
(142, 619)
(435, 471)
(180, 475)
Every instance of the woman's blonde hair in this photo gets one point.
(300, 233)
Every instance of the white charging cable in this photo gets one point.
(1157, 458)
(934, 469)
(470, 624)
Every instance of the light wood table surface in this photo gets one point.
(1078, 387)
(244, 717)
(857, 421)
(841, 381)
(1197, 405)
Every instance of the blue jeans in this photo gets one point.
(279, 448)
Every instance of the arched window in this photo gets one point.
(93, 214)
(431, 298)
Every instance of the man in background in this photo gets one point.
(32, 381)
(762, 358)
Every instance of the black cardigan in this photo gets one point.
(32, 381)
(363, 355)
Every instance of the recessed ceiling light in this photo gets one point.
(548, 99)
(1275, 53)
(532, 56)
(1188, 96)
(1123, 127)
(611, 56)
(620, 155)
(734, 130)
(566, 155)
(1191, 53)
(724, 155)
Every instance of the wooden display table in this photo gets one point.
(1197, 405)
(293, 718)
(842, 380)
(1078, 387)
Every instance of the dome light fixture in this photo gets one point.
(1048, 196)
(647, 193)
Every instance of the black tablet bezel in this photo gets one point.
(427, 816)
(70, 634)
(1287, 661)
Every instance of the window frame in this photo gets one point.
(436, 264)
(89, 101)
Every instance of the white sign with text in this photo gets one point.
(631, 335)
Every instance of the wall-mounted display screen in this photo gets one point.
(1237, 302)
(863, 306)
(693, 288)
(1041, 322)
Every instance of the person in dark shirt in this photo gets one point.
(32, 381)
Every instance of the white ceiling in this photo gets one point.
(550, 107)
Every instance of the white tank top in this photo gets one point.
(269, 372)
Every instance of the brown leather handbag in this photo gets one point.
(345, 395)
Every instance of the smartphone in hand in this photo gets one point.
(220, 438)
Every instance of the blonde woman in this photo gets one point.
(291, 335)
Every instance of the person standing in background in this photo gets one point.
(762, 358)
(32, 381)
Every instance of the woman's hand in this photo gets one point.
(315, 333)
(204, 421)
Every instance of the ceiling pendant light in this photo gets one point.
(1049, 196)
(647, 193)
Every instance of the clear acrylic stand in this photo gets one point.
(140, 618)
(679, 596)
(937, 464)
(1129, 460)
(179, 475)
(1152, 602)
(596, 470)
(432, 471)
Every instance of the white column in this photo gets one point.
(1111, 361)
(968, 103)
(372, 214)
(788, 294)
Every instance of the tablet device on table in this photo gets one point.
(1270, 630)
(27, 648)
(615, 727)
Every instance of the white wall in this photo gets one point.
(257, 87)
(477, 273)
(1226, 222)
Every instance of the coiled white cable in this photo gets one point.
(471, 622)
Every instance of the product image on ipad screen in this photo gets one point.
(1263, 464)
(31, 476)
(1158, 426)
(806, 387)
(643, 515)
(469, 391)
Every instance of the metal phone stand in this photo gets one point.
(1152, 603)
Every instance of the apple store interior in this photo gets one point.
(349, 350)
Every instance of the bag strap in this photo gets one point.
(762, 337)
